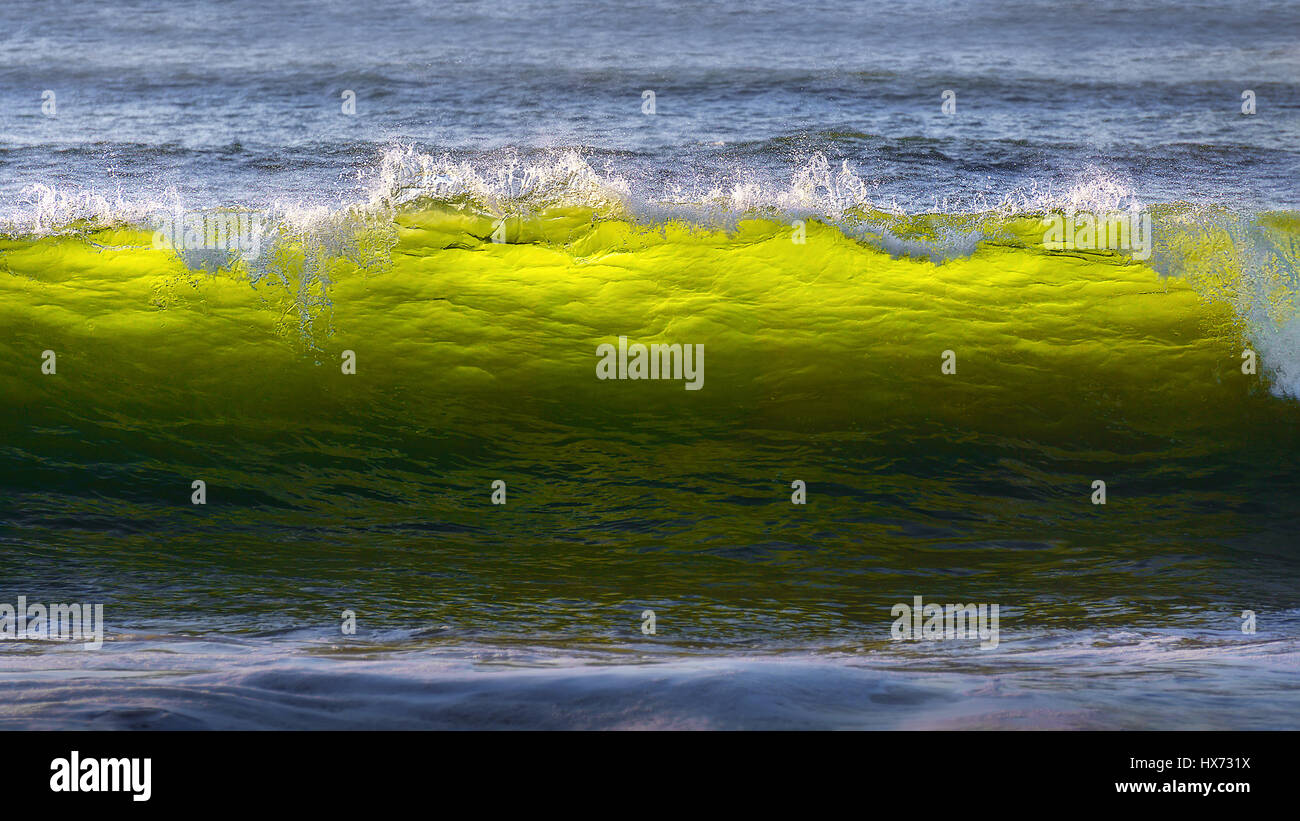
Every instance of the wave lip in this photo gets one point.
(612, 184)
(417, 205)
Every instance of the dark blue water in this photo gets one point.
(240, 103)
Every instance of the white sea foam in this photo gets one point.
(1033, 681)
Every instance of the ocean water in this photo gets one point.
(495, 200)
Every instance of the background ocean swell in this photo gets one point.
(476, 362)
(239, 104)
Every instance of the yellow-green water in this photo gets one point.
(476, 362)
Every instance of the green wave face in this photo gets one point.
(476, 360)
